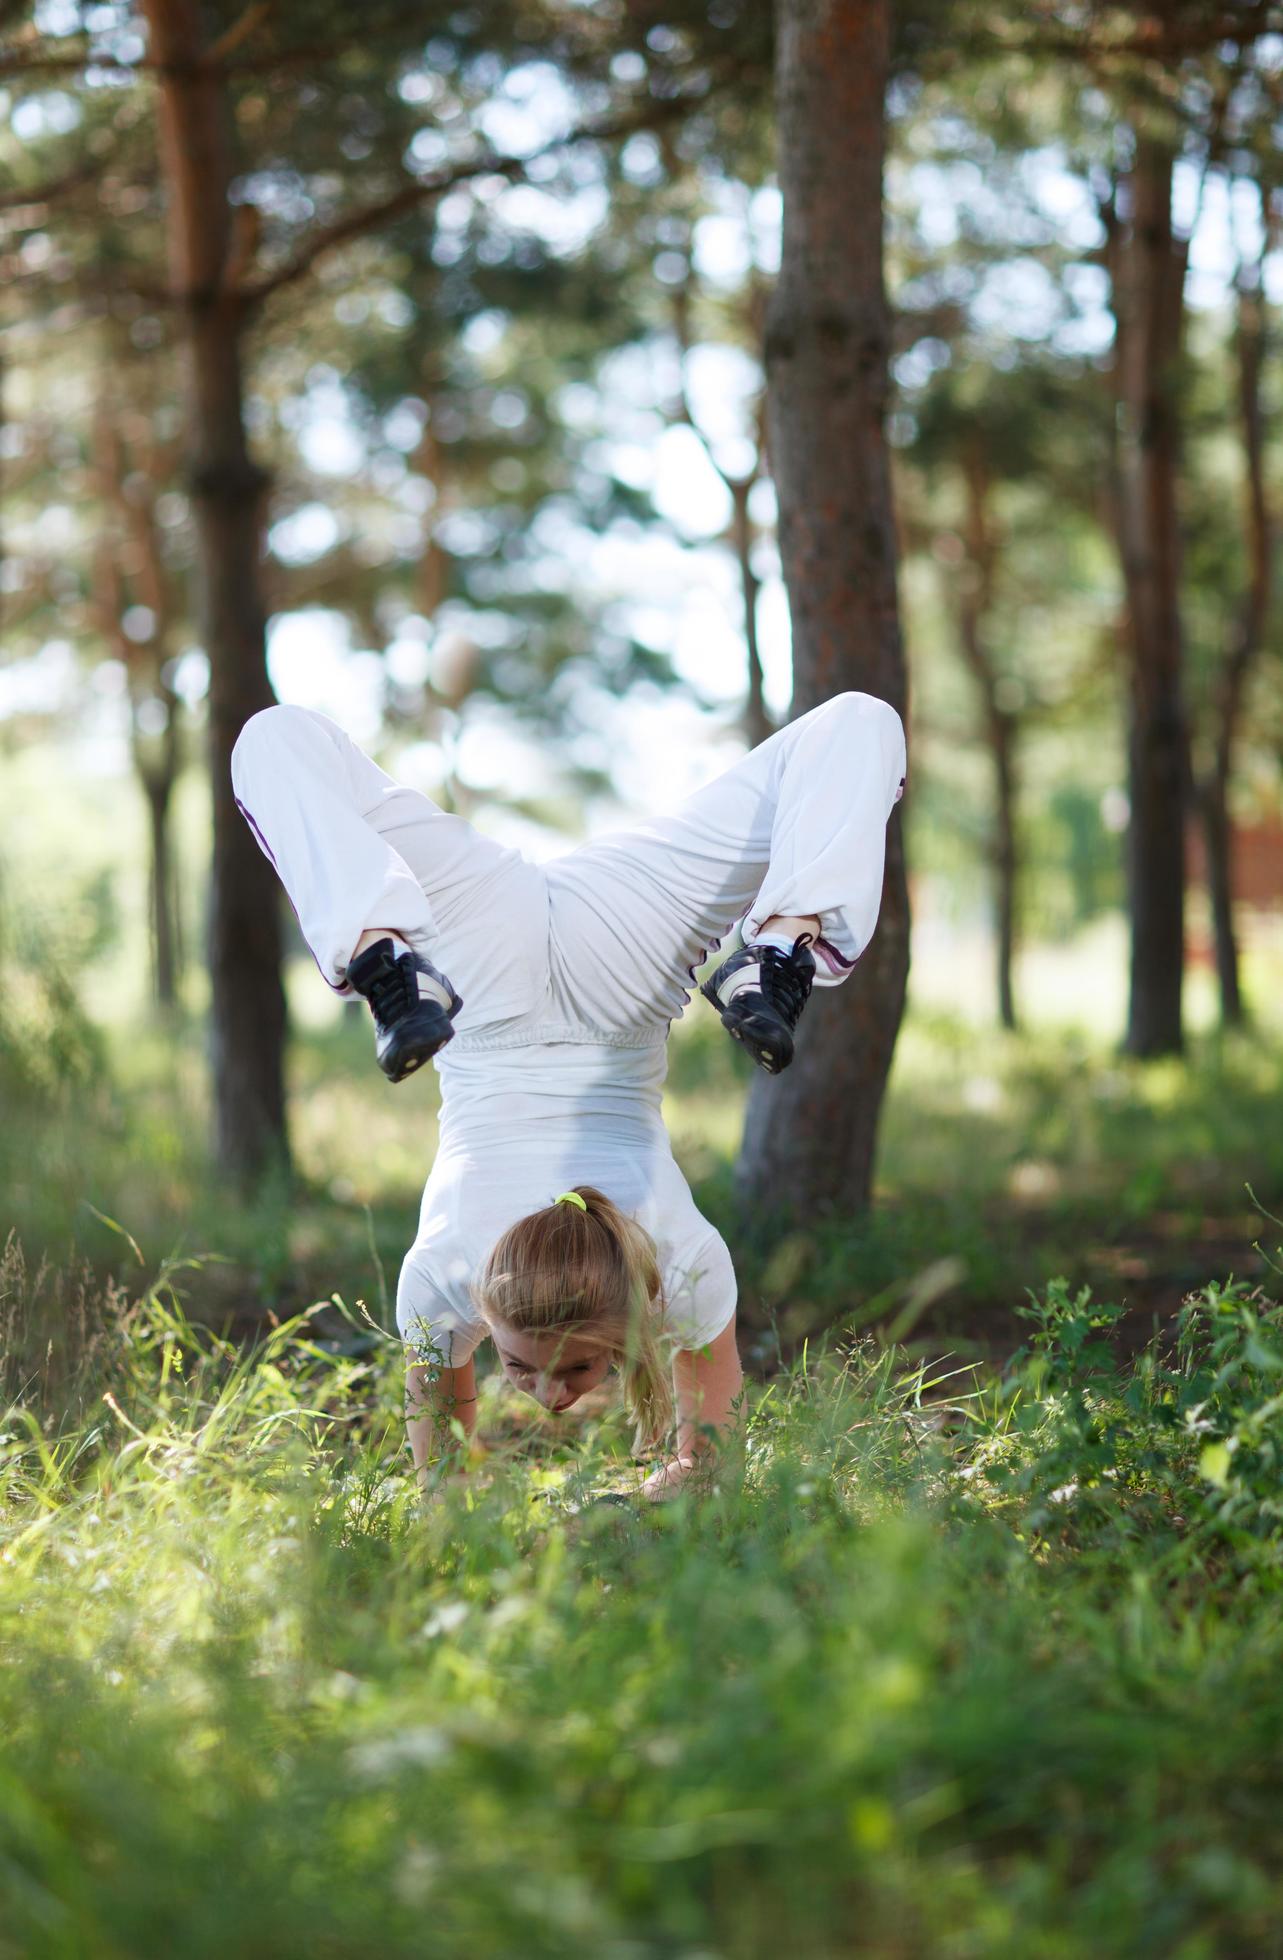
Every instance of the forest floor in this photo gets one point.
(983, 1664)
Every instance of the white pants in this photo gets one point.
(609, 934)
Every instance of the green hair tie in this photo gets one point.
(570, 1198)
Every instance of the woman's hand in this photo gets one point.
(438, 1402)
(707, 1384)
(667, 1478)
(434, 1488)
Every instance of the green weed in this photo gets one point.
(877, 1687)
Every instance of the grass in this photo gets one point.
(936, 1664)
(962, 1652)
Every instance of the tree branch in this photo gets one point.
(240, 30)
(71, 180)
(490, 163)
(1152, 42)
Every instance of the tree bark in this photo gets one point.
(1001, 725)
(757, 723)
(164, 947)
(156, 753)
(1213, 809)
(810, 1136)
(156, 767)
(1148, 267)
(1002, 744)
(227, 489)
(1232, 678)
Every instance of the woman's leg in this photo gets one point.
(356, 850)
(796, 827)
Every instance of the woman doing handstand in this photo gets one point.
(555, 1219)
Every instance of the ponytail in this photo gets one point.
(592, 1271)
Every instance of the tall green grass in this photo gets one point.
(936, 1662)
(941, 1660)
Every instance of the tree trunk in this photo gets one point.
(1148, 296)
(1231, 680)
(164, 949)
(810, 1137)
(3, 486)
(757, 723)
(156, 764)
(1001, 725)
(247, 1023)
(227, 487)
(1213, 804)
(1002, 744)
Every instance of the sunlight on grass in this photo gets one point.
(981, 1663)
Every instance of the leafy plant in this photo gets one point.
(1177, 1450)
(981, 1665)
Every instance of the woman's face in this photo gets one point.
(555, 1368)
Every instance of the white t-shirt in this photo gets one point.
(522, 1121)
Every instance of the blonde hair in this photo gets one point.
(594, 1273)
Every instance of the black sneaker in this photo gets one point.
(760, 993)
(412, 1004)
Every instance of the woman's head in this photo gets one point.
(571, 1288)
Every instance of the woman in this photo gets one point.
(555, 1219)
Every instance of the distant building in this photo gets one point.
(1256, 861)
(1256, 869)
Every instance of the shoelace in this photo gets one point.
(785, 985)
(394, 990)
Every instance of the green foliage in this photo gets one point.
(1080, 875)
(1173, 1457)
(49, 1050)
(254, 1700)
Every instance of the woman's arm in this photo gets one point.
(706, 1383)
(430, 1407)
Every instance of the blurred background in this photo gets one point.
(414, 366)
